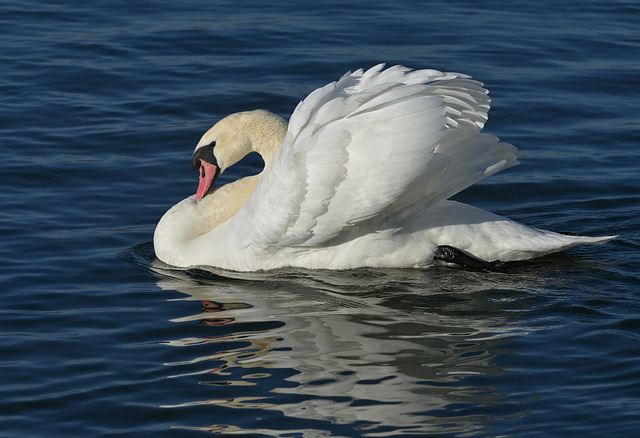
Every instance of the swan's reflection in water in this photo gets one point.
(385, 352)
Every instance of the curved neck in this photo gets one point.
(266, 132)
(182, 230)
(184, 226)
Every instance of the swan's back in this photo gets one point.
(375, 144)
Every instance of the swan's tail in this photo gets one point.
(575, 240)
(537, 243)
(490, 237)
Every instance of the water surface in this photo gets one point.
(101, 107)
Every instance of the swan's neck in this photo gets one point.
(266, 132)
(181, 229)
(226, 201)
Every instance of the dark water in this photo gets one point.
(101, 104)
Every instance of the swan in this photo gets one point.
(359, 177)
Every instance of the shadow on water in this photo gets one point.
(364, 352)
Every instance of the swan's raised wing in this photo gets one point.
(375, 142)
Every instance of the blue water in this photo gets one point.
(101, 105)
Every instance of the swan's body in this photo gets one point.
(359, 177)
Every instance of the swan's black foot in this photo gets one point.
(450, 254)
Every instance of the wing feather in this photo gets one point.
(376, 142)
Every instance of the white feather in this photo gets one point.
(359, 178)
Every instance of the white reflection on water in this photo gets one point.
(380, 350)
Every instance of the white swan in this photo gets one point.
(359, 177)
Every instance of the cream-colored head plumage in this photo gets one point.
(239, 134)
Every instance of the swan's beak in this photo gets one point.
(208, 174)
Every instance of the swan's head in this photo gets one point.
(220, 147)
(233, 137)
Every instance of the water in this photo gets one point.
(102, 104)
